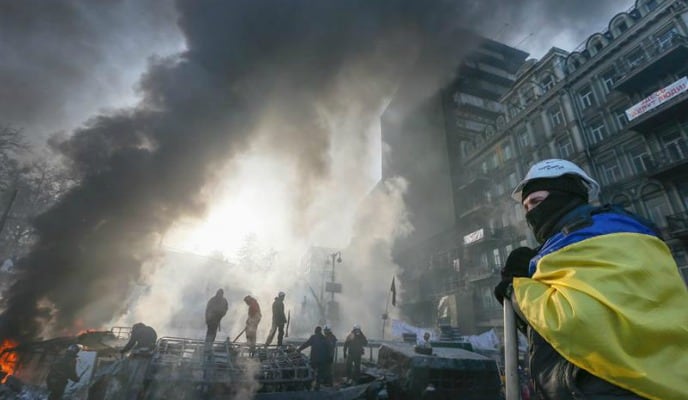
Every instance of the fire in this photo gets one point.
(8, 360)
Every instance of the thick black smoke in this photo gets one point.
(247, 61)
(144, 168)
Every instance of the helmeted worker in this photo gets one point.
(278, 320)
(320, 353)
(142, 338)
(354, 347)
(602, 299)
(214, 311)
(61, 371)
(253, 320)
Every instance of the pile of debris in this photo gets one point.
(182, 368)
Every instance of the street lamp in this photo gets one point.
(337, 256)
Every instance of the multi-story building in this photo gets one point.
(616, 107)
(630, 86)
(423, 139)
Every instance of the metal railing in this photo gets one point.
(678, 224)
(190, 360)
(653, 52)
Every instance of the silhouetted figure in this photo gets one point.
(214, 311)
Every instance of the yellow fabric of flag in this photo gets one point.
(616, 306)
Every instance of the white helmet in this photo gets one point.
(554, 168)
(357, 327)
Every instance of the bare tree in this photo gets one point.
(39, 185)
(12, 146)
(33, 182)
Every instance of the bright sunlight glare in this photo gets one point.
(254, 201)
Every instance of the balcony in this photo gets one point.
(674, 108)
(661, 59)
(475, 208)
(479, 273)
(678, 225)
(472, 179)
(670, 162)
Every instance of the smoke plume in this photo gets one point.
(298, 80)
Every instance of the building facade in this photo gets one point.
(616, 106)
(423, 141)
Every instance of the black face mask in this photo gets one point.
(544, 217)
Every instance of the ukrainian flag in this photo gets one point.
(609, 298)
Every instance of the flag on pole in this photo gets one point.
(394, 293)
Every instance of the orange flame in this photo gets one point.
(8, 359)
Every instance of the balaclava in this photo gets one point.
(566, 192)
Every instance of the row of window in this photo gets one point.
(637, 159)
(617, 26)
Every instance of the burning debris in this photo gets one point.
(8, 359)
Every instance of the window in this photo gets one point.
(497, 258)
(636, 57)
(622, 26)
(666, 37)
(513, 181)
(556, 116)
(508, 152)
(548, 82)
(586, 97)
(523, 139)
(611, 172)
(650, 5)
(597, 131)
(494, 161)
(608, 78)
(565, 146)
(674, 146)
(483, 259)
(655, 204)
(640, 158)
(500, 189)
(621, 119)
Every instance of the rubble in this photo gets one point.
(182, 368)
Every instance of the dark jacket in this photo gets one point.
(141, 336)
(216, 309)
(278, 317)
(320, 349)
(332, 342)
(354, 345)
(554, 377)
(63, 369)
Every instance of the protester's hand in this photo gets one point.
(517, 265)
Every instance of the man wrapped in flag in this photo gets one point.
(605, 308)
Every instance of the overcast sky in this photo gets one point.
(61, 61)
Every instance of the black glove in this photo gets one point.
(517, 265)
